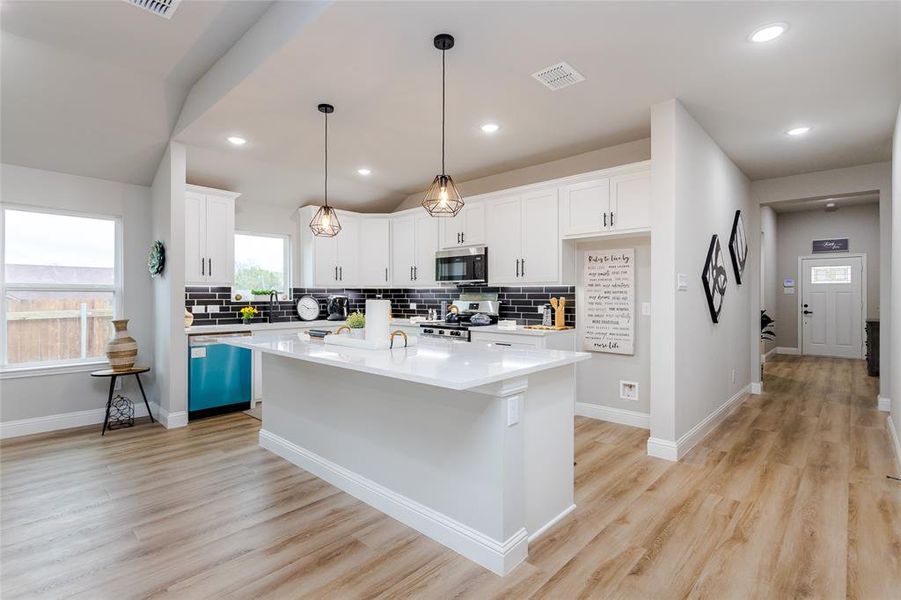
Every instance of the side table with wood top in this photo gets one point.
(136, 371)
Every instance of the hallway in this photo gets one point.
(787, 498)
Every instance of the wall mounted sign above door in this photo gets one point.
(834, 245)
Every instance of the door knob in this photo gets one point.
(808, 312)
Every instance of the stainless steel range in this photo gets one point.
(470, 310)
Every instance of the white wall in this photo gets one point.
(695, 190)
(769, 273)
(875, 177)
(796, 232)
(586, 162)
(170, 349)
(894, 391)
(42, 396)
(598, 379)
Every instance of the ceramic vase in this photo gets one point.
(122, 349)
(189, 318)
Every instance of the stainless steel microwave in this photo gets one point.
(462, 266)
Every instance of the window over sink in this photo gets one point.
(62, 286)
(262, 262)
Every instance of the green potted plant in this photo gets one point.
(356, 321)
(248, 313)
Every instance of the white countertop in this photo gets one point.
(442, 363)
(520, 330)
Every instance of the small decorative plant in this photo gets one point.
(265, 292)
(248, 313)
(356, 320)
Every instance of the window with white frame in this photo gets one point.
(61, 285)
(262, 262)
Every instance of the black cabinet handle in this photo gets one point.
(341, 273)
(411, 273)
(210, 266)
(458, 237)
(386, 274)
(336, 272)
(463, 236)
(611, 218)
(523, 268)
(517, 267)
(502, 344)
(202, 267)
(605, 219)
(415, 272)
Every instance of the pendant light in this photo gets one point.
(325, 221)
(442, 198)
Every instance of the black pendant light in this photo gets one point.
(325, 221)
(442, 198)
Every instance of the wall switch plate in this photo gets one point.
(646, 308)
(213, 308)
(412, 306)
(512, 410)
(628, 390)
(681, 282)
(198, 309)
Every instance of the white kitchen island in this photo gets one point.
(470, 444)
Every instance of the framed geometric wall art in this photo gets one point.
(714, 278)
(738, 246)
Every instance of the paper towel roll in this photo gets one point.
(378, 319)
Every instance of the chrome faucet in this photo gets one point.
(273, 297)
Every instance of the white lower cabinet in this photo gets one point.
(551, 340)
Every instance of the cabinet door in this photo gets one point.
(583, 207)
(349, 251)
(474, 224)
(375, 250)
(403, 231)
(630, 201)
(505, 232)
(195, 244)
(450, 229)
(325, 261)
(424, 249)
(220, 239)
(540, 238)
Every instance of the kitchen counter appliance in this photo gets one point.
(337, 308)
(219, 376)
(460, 266)
(467, 307)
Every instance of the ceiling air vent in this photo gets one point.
(558, 76)
(162, 8)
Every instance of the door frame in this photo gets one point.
(863, 293)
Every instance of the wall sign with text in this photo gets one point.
(834, 245)
(609, 322)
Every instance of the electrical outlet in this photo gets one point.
(628, 390)
(213, 308)
(540, 310)
(512, 410)
(413, 306)
(198, 309)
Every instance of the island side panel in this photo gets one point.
(446, 450)
(548, 419)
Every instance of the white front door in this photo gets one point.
(831, 306)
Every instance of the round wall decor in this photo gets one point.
(156, 261)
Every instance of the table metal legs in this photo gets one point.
(109, 402)
(147, 404)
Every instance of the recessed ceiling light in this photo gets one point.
(237, 141)
(364, 171)
(490, 127)
(830, 205)
(796, 131)
(768, 33)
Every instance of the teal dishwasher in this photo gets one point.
(220, 377)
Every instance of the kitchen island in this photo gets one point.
(468, 443)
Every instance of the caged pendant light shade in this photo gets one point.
(325, 222)
(442, 198)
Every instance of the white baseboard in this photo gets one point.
(884, 404)
(896, 443)
(94, 416)
(757, 388)
(622, 416)
(789, 351)
(768, 355)
(551, 523)
(171, 420)
(675, 450)
(498, 556)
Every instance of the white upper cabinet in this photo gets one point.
(209, 236)
(466, 229)
(620, 202)
(334, 261)
(523, 238)
(414, 241)
(375, 250)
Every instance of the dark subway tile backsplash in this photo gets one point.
(519, 303)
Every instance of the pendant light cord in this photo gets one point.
(326, 159)
(443, 52)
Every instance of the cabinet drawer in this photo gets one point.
(508, 340)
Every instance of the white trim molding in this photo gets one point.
(757, 388)
(544, 528)
(884, 404)
(788, 351)
(498, 556)
(896, 442)
(82, 418)
(674, 451)
(768, 355)
(171, 420)
(633, 418)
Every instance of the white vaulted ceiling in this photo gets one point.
(837, 69)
